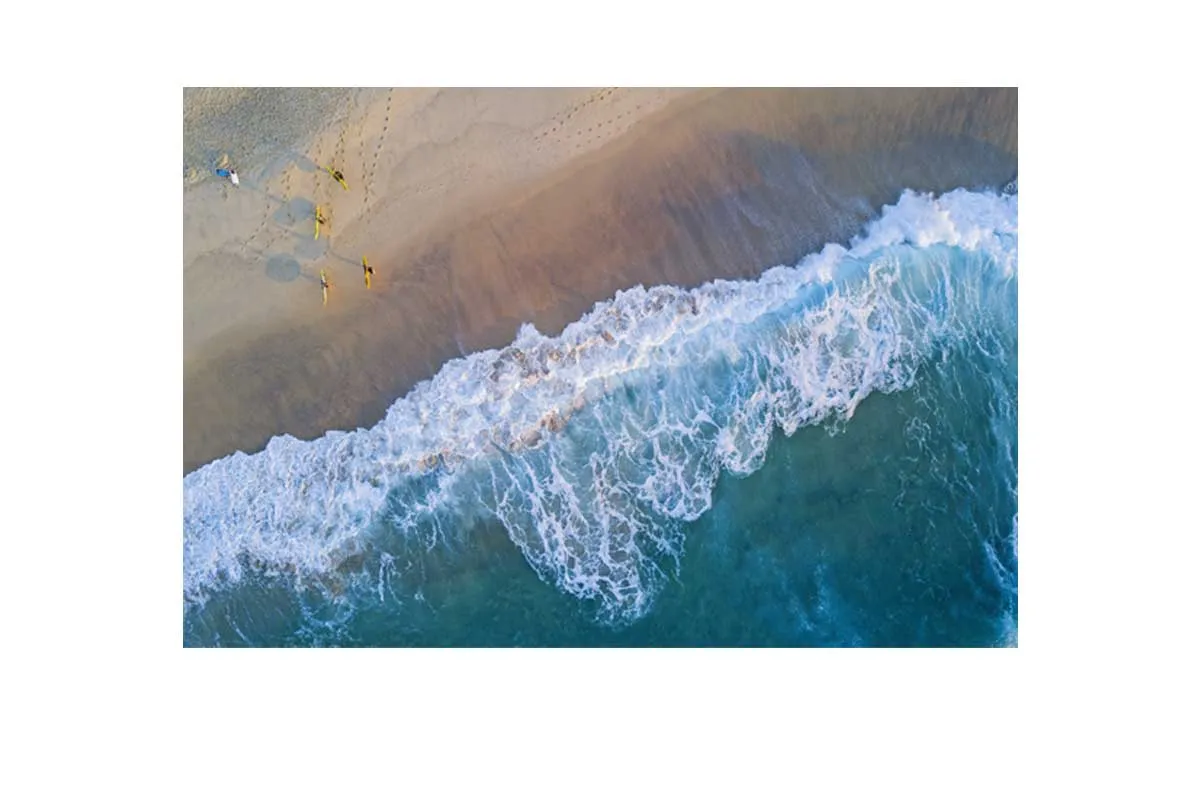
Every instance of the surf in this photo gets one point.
(593, 449)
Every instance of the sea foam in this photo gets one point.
(592, 447)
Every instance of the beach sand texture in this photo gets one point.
(484, 209)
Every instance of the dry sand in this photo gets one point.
(483, 209)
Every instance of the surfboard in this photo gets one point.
(317, 228)
(335, 177)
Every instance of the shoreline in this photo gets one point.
(508, 221)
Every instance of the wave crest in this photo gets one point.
(593, 447)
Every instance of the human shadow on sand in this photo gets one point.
(306, 249)
(303, 163)
(333, 254)
(283, 161)
(295, 211)
(282, 267)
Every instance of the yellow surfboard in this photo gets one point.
(366, 272)
(317, 223)
(335, 177)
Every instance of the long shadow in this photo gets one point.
(295, 210)
(352, 262)
(303, 162)
(255, 189)
(281, 162)
(283, 268)
(310, 249)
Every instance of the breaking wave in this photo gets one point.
(592, 448)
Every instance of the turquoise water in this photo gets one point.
(825, 456)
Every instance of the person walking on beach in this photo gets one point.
(368, 271)
(325, 285)
(336, 175)
(320, 220)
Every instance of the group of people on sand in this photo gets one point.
(319, 218)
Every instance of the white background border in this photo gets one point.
(102, 705)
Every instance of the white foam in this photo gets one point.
(799, 344)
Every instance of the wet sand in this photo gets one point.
(484, 209)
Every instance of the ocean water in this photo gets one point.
(822, 456)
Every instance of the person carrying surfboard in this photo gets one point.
(325, 285)
(230, 173)
(368, 271)
(320, 220)
(336, 175)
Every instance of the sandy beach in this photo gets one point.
(485, 209)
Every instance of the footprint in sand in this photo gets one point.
(387, 119)
(263, 222)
